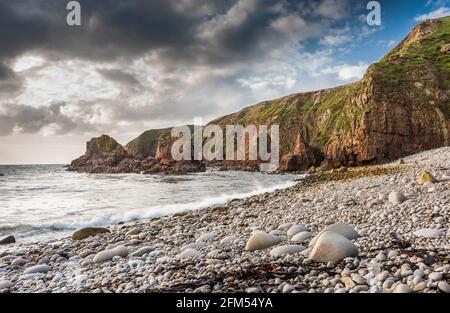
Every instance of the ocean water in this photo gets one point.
(45, 201)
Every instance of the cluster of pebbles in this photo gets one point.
(376, 234)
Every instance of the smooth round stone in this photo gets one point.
(417, 279)
(19, 262)
(301, 236)
(7, 240)
(287, 249)
(136, 263)
(86, 232)
(261, 240)
(193, 245)
(428, 233)
(214, 253)
(402, 288)
(229, 239)
(396, 197)
(284, 226)
(41, 268)
(253, 290)
(360, 288)
(107, 255)
(85, 252)
(87, 262)
(332, 247)
(388, 283)
(444, 286)
(207, 237)
(358, 279)
(343, 229)
(287, 288)
(142, 251)
(420, 286)
(435, 276)
(295, 229)
(5, 284)
(383, 276)
(189, 253)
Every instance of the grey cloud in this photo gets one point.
(125, 80)
(10, 83)
(113, 29)
(33, 119)
(180, 36)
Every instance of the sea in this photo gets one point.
(42, 202)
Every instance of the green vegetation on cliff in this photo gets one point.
(400, 106)
(146, 143)
(416, 72)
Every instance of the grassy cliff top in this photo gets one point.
(416, 61)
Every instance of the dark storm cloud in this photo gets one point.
(180, 36)
(114, 29)
(119, 77)
(10, 83)
(110, 28)
(32, 119)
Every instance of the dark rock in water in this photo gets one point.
(7, 240)
(86, 232)
(2, 174)
(105, 155)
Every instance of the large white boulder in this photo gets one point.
(261, 240)
(343, 229)
(287, 249)
(295, 229)
(332, 247)
(302, 236)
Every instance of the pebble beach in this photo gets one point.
(374, 229)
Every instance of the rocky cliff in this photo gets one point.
(400, 106)
(105, 155)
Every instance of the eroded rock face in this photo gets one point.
(400, 107)
(302, 158)
(105, 155)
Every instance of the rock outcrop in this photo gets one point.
(401, 106)
(105, 155)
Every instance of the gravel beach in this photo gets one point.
(376, 229)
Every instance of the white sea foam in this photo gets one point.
(51, 201)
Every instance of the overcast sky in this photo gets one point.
(135, 65)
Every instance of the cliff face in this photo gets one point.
(401, 106)
(105, 155)
(145, 145)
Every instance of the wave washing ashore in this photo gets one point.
(39, 202)
(372, 229)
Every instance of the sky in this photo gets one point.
(135, 65)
